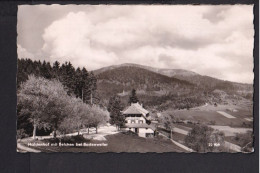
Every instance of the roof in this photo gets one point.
(135, 108)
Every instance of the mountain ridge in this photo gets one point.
(154, 69)
(177, 73)
(161, 91)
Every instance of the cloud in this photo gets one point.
(23, 53)
(210, 40)
(215, 14)
(68, 40)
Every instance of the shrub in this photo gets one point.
(21, 134)
(245, 140)
(204, 139)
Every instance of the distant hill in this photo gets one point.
(166, 72)
(165, 87)
(205, 82)
(125, 78)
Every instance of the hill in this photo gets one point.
(202, 81)
(166, 72)
(164, 88)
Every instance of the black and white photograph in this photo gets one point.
(135, 78)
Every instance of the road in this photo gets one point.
(179, 144)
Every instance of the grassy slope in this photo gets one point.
(208, 116)
(122, 143)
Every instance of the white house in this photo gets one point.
(137, 120)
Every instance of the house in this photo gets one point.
(137, 120)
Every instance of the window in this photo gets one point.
(149, 135)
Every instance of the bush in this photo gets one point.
(245, 141)
(74, 139)
(68, 139)
(21, 134)
(212, 122)
(204, 139)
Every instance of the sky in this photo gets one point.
(213, 40)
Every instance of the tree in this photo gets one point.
(45, 101)
(56, 69)
(76, 110)
(98, 116)
(57, 107)
(33, 99)
(82, 115)
(133, 98)
(92, 86)
(84, 85)
(245, 141)
(115, 108)
(168, 121)
(204, 139)
(46, 70)
(68, 76)
(78, 84)
(23, 121)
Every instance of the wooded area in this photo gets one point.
(56, 98)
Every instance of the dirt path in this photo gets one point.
(225, 114)
(181, 131)
(26, 149)
(179, 144)
(232, 146)
(184, 132)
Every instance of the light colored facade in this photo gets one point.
(137, 120)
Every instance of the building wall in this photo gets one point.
(135, 119)
(143, 131)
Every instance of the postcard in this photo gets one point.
(135, 78)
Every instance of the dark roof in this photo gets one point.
(135, 108)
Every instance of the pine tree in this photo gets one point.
(68, 77)
(115, 108)
(43, 69)
(56, 69)
(85, 82)
(133, 98)
(92, 86)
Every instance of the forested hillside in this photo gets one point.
(56, 98)
(78, 81)
(157, 91)
(184, 89)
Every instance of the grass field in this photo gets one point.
(212, 117)
(241, 113)
(121, 142)
(175, 136)
(231, 139)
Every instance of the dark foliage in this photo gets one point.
(114, 108)
(133, 98)
(245, 141)
(204, 139)
(23, 122)
(77, 81)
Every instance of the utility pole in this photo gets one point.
(91, 97)
(82, 95)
